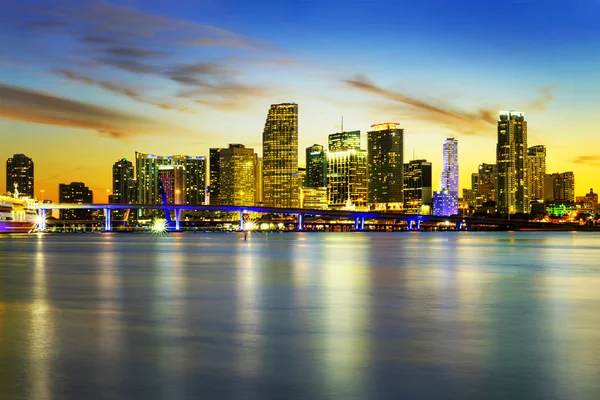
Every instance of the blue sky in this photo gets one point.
(86, 83)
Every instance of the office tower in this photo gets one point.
(19, 170)
(171, 181)
(316, 166)
(314, 198)
(511, 153)
(445, 203)
(385, 144)
(75, 193)
(450, 166)
(236, 176)
(536, 170)
(258, 180)
(418, 191)
(347, 178)
(194, 182)
(213, 176)
(146, 170)
(123, 185)
(483, 184)
(560, 187)
(344, 141)
(280, 156)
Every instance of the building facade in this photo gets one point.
(171, 182)
(536, 171)
(75, 193)
(280, 156)
(449, 179)
(341, 141)
(19, 170)
(445, 203)
(385, 149)
(347, 178)
(511, 153)
(194, 180)
(236, 179)
(213, 176)
(147, 182)
(314, 198)
(123, 184)
(560, 187)
(316, 166)
(483, 183)
(418, 191)
(258, 180)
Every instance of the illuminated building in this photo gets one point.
(258, 180)
(450, 166)
(172, 180)
(280, 156)
(19, 170)
(236, 176)
(562, 186)
(316, 166)
(194, 179)
(511, 154)
(146, 170)
(417, 186)
(213, 176)
(344, 141)
(301, 180)
(385, 144)
(123, 184)
(314, 198)
(483, 184)
(588, 203)
(536, 171)
(347, 178)
(445, 203)
(468, 196)
(559, 208)
(75, 193)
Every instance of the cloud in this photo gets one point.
(540, 104)
(28, 105)
(590, 159)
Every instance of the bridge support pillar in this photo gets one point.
(107, 226)
(359, 223)
(42, 222)
(418, 225)
(177, 219)
(241, 221)
(300, 222)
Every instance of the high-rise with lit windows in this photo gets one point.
(347, 178)
(512, 195)
(123, 184)
(280, 156)
(316, 166)
(418, 191)
(75, 193)
(146, 170)
(344, 141)
(536, 170)
(194, 179)
(19, 170)
(385, 149)
(450, 166)
(236, 176)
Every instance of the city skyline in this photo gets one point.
(106, 90)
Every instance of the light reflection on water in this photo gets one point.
(315, 316)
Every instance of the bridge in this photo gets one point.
(413, 222)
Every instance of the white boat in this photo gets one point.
(17, 215)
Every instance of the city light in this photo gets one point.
(159, 226)
(248, 226)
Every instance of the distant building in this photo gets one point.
(194, 180)
(536, 171)
(511, 153)
(146, 170)
(588, 203)
(316, 166)
(236, 176)
(344, 141)
(418, 191)
(446, 200)
(280, 156)
(19, 170)
(484, 184)
(172, 179)
(562, 187)
(123, 184)
(213, 175)
(75, 193)
(347, 178)
(445, 203)
(385, 157)
(258, 180)
(314, 198)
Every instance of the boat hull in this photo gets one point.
(16, 226)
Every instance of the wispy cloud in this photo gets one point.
(28, 105)
(590, 159)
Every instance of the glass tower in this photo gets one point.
(417, 186)
(316, 166)
(385, 150)
(280, 156)
(146, 170)
(512, 195)
(19, 170)
(194, 180)
(347, 178)
(236, 179)
(344, 141)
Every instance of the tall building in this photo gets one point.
(171, 181)
(560, 187)
(483, 183)
(75, 193)
(316, 166)
(385, 149)
(418, 191)
(146, 170)
(536, 171)
(258, 180)
(19, 170)
(213, 175)
(194, 181)
(511, 153)
(236, 176)
(280, 156)
(450, 166)
(123, 185)
(347, 178)
(445, 203)
(314, 198)
(344, 141)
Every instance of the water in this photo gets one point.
(457, 315)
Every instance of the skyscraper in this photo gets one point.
(146, 170)
(417, 186)
(385, 149)
(171, 178)
(347, 178)
(194, 182)
(236, 179)
(316, 166)
(75, 193)
(280, 156)
(536, 170)
(344, 141)
(213, 175)
(484, 184)
(19, 170)
(450, 166)
(560, 187)
(511, 152)
(123, 185)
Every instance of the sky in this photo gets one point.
(83, 84)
